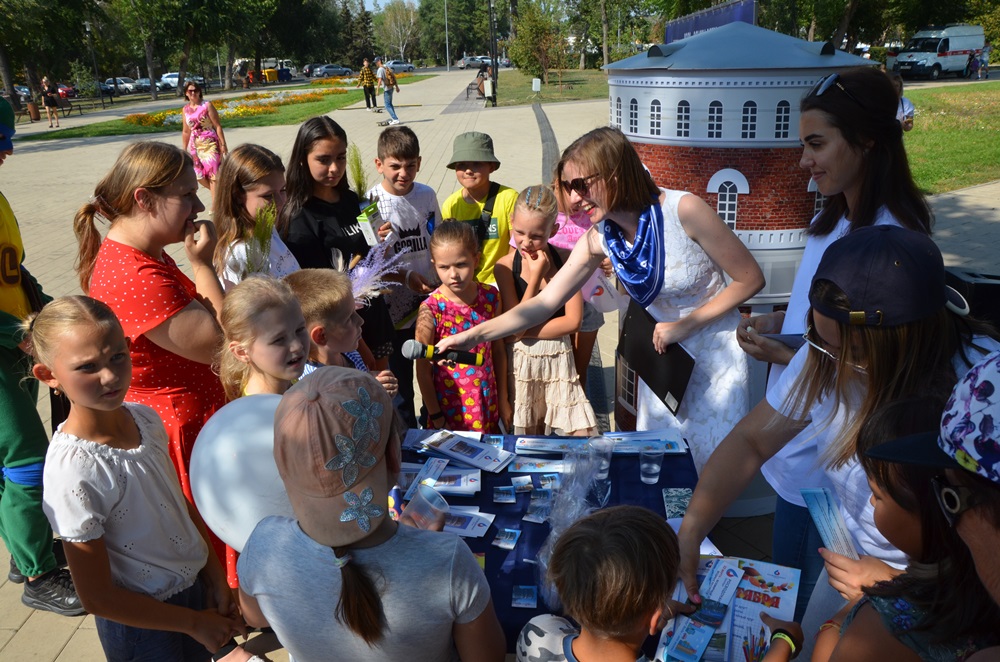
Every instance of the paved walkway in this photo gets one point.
(47, 181)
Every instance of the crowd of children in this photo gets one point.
(294, 296)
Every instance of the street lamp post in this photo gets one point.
(447, 47)
(97, 76)
(493, 51)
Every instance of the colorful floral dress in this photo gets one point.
(203, 145)
(467, 394)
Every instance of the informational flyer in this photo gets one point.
(825, 513)
(472, 453)
(740, 637)
(693, 634)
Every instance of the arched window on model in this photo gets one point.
(818, 200)
(683, 119)
(655, 116)
(633, 117)
(728, 184)
(782, 119)
(715, 119)
(749, 126)
(618, 112)
(611, 110)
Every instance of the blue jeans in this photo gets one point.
(387, 98)
(794, 543)
(124, 643)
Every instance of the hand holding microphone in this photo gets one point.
(414, 350)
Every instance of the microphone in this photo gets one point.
(417, 350)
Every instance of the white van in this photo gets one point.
(935, 51)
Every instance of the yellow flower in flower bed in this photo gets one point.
(248, 111)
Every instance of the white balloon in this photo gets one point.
(234, 479)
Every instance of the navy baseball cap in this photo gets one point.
(890, 275)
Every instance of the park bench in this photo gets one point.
(22, 114)
(67, 107)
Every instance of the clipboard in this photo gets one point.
(667, 375)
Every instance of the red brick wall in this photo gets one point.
(778, 198)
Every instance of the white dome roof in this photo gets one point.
(736, 46)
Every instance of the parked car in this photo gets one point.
(308, 70)
(505, 62)
(399, 65)
(124, 85)
(23, 92)
(328, 70)
(106, 90)
(67, 92)
(470, 61)
(168, 81)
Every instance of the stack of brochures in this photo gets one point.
(461, 450)
(626, 443)
(453, 481)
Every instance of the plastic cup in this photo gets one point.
(649, 466)
(602, 449)
(427, 508)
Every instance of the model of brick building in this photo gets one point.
(717, 114)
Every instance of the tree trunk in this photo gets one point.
(150, 68)
(230, 61)
(845, 23)
(185, 56)
(8, 79)
(604, 32)
(812, 29)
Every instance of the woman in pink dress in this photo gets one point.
(202, 136)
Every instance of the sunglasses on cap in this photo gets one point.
(827, 82)
(953, 499)
(580, 184)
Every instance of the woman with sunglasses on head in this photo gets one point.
(202, 134)
(882, 325)
(672, 253)
(852, 146)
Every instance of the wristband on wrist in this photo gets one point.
(829, 624)
(436, 417)
(785, 636)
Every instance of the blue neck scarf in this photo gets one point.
(639, 268)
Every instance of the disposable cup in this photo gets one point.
(602, 448)
(427, 508)
(649, 466)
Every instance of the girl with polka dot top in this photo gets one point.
(150, 199)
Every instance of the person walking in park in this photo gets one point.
(50, 99)
(367, 82)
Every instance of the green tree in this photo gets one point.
(538, 44)
(398, 28)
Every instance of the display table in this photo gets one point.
(508, 568)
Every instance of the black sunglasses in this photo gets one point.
(953, 499)
(825, 83)
(581, 184)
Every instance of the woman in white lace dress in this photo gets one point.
(671, 252)
(249, 195)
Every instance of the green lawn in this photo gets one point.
(955, 141)
(514, 87)
(290, 114)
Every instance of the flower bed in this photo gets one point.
(249, 105)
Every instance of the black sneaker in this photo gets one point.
(53, 592)
(14, 575)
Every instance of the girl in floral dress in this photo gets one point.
(202, 136)
(461, 396)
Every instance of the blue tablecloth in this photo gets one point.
(506, 569)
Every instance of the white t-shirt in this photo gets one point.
(904, 109)
(428, 582)
(849, 481)
(411, 216)
(797, 465)
(280, 260)
(130, 498)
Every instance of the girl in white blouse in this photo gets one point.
(138, 552)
